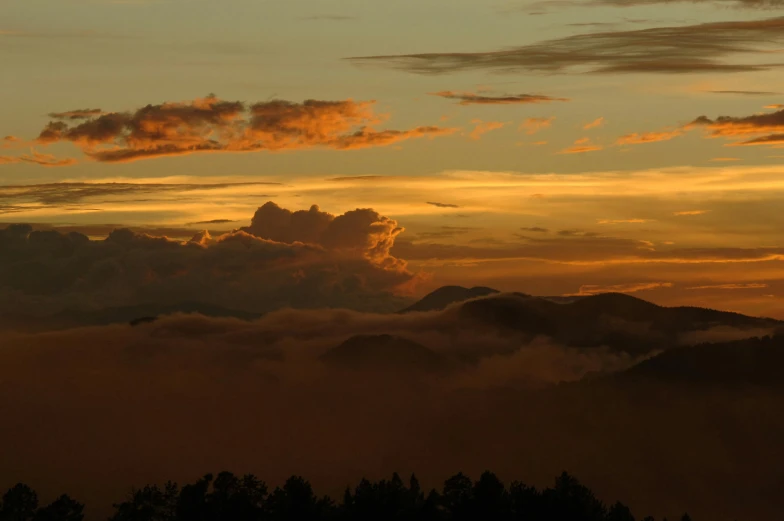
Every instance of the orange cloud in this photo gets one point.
(772, 139)
(691, 212)
(470, 98)
(581, 146)
(623, 221)
(725, 159)
(593, 289)
(647, 137)
(598, 122)
(771, 124)
(753, 285)
(483, 127)
(775, 106)
(534, 125)
(212, 125)
(37, 158)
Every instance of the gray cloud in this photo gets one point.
(705, 47)
(298, 259)
(470, 98)
(213, 221)
(443, 205)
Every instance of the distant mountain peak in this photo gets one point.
(444, 296)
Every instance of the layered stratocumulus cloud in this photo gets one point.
(213, 125)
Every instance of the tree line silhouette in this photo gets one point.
(227, 497)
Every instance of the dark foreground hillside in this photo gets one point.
(227, 497)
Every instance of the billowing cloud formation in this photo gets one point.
(299, 259)
(212, 125)
(682, 49)
(470, 98)
(363, 231)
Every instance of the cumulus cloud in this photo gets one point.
(362, 231)
(299, 259)
(706, 47)
(470, 98)
(213, 125)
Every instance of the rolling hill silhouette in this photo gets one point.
(615, 320)
(750, 362)
(446, 295)
(383, 352)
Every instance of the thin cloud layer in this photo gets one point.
(37, 158)
(483, 127)
(648, 137)
(470, 98)
(709, 47)
(745, 4)
(213, 125)
(534, 125)
(592, 289)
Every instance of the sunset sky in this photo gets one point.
(547, 147)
